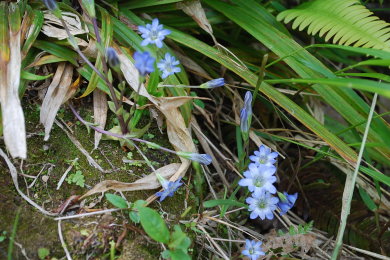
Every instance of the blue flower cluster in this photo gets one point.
(155, 33)
(260, 178)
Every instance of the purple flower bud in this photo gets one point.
(200, 158)
(112, 58)
(214, 83)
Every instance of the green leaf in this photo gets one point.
(361, 84)
(154, 225)
(31, 76)
(227, 202)
(57, 50)
(134, 216)
(43, 253)
(179, 240)
(367, 199)
(179, 255)
(146, 3)
(117, 201)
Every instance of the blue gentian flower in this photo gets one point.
(253, 249)
(112, 58)
(259, 178)
(144, 62)
(169, 188)
(248, 102)
(197, 157)
(153, 33)
(264, 156)
(214, 83)
(168, 65)
(244, 121)
(246, 115)
(286, 202)
(262, 204)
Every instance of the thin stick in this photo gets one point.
(63, 241)
(350, 185)
(87, 214)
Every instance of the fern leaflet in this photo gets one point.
(347, 21)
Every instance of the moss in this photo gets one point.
(36, 230)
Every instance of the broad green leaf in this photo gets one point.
(179, 240)
(57, 50)
(154, 225)
(179, 255)
(117, 201)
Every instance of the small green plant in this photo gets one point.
(3, 236)
(76, 178)
(301, 229)
(43, 253)
(177, 241)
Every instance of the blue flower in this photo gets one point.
(286, 202)
(248, 102)
(253, 249)
(246, 115)
(197, 157)
(264, 156)
(259, 178)
(214, 83)
(153, 33)
(144, 62)
(112, 58)
(262, 204)
(169, 188)
(168, 65)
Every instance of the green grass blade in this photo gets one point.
(343, 149)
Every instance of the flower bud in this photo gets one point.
(214, 83)
(200, 158)
(113, 59)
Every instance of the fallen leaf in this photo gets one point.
(57, 93)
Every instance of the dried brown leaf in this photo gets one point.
(194, 9)
(59, 90)
(100, 109)
(148, 182)
(52, 26)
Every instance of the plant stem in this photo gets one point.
(110, 86)
(350, 186)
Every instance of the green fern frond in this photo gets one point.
(347, 21)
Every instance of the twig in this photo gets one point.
(14, 175)
(63, 241)
(87, 214)
(66, 173)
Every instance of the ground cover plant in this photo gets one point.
(194, 129)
